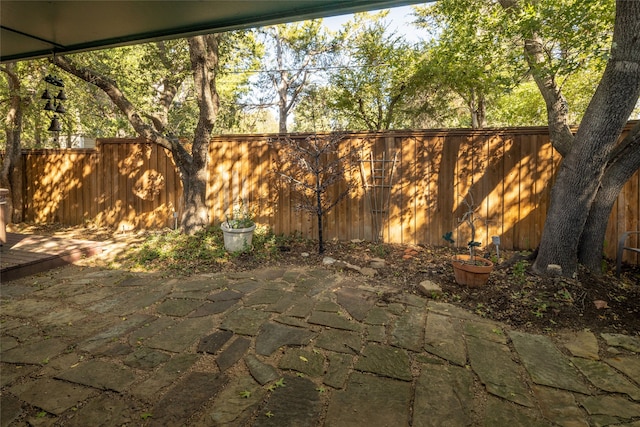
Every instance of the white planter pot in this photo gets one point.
(237, 239)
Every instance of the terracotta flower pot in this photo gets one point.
(469, 273)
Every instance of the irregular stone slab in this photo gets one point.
(443, 396)
(51, 395)
(263, 297)
(235, 403)
(494, 366)
(581, 344)
(302, 308)
(245, 321)
(99, 374)
(333, 320)
(146, 358)
(545, 363)
(28, 308)
(150, 328)
(272, 336)
(188, 396)
(616, 406)
(233, 353)
(485, 331)
(295, 404)
(307, 362)
(25, 332)
(7, 343)
(35, 353)
(141, 298)
(11, 372)
(111, 302)
(196, 289)
(444, 338)
(214, 342)
(629, 365)
(339, 341)
(268, 274)
(560, 406)
(357, 302)
(178, 307)
(408, 329)
(246, 286)
(606, 378)
(376, 333)
(339, 368)
(262, 372)
(64, 316)
(182, 335)
(210, 308)
(117, 330)
(106, 411)
(447, 309)
(11, 408)
(284, 303)
(92, 295)
(377, 316)
(370, 401)
(9, 290)
(386, 361)
(502, 413)
(165, 376)
(410, 299)
(623, 341)
(328, 306)
(292, 321)
(226, 295)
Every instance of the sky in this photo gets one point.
(400, 19)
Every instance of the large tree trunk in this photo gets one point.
(583, 168)
(11, 173)
(192, 167)
(624, 162)
(204, 63)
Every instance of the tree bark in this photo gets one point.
(583, 168)
(624, 162)
(11, 173)
(203, 51)
(192, 167)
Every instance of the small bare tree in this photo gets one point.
(312, 166)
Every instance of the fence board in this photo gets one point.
(508, 171)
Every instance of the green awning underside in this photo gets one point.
(32, 29)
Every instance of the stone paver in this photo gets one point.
(186, 397)
(370, 401)
(99, 374)
(493, 364)
(51, 395)
(443, 397)
(299, 346)
(545, 363)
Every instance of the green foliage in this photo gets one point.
(203, 251)
(518, 271)
(370, 89)
(241, 217)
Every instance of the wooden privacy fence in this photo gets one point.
(126, 184)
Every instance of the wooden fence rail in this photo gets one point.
(127, 183)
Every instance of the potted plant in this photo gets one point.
(237, 229)
(471, 270)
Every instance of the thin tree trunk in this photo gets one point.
(11, 173)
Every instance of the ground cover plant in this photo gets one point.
(513, 295)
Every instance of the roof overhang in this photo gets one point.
(33, 29)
